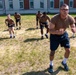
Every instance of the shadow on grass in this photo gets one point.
(30, 29)
(37, 73)
(44, 72)
(4, 38)
(57, 71)
(72, 37)
(32, 39)
(5, 30)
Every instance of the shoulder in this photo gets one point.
(70, 17)
(47, 17)
(18, 14)
(11, 19)
(41, 14)
(55, 16)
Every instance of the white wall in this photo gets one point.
(45, 4)
(36, 4)
(6, 5)
(15, 4)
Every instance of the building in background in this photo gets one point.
(32, 6)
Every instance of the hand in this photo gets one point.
(73, 30)
(60, 31)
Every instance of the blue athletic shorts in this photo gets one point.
(56, 40)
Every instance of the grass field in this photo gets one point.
(27, 54)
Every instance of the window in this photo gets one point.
(71, 3)
(61, 2)
(21, 4)
(1, 4)
(51, 3)
(41, 3)
(10, 4)
(31, 4)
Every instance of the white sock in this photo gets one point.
(65, 60)
(46, 33)
(41, 34)
(51, 63)
(10, 34)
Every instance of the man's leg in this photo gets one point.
(20, 24)
(51, 61)
(36, 23)
(13, 32)
(66, 55)
(41, 31)
(9, 28)
(42, 37)
(47, 30)
(16, 25)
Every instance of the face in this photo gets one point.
(8, 16)
(64, 10)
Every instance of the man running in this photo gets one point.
(43, 23)
(17, 17)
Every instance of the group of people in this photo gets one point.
(58, 35)
(56, 26)
(11, 24)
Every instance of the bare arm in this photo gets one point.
(20, 16)
(73, 28)
(48, 19)
(6, 22)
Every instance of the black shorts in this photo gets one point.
(13, 25)
(17, 20)
(56, 40)
(42, 25)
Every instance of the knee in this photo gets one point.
(52, 53)
(68, 50)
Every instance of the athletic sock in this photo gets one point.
(65, 60)
(51, 63)
(10, 34)
(46, 33)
